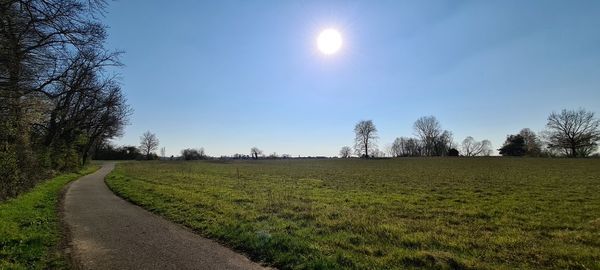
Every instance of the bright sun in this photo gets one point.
(329, 41)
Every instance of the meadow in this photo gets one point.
(437, 213)
(30, 228)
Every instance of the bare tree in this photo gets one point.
(148, 143)
(428, 129)
(346, 152)
(576, 132)
(58, 101)
(255, 152)
(486, 148)
(365, 136)
(389, 150)
(412, 147)
(471, 147)
(376, 153)
(533, 145)
(396, 149)
(403, 147)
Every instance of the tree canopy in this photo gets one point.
(58, 100)
(575, 132)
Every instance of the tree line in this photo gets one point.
(569, 133)
(58, 99)
(430, 140)
(149, 144)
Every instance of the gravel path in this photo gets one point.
(107, 232)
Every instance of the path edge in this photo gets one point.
(197, 233)
(65, 246)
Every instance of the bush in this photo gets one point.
(109, 152)
(192, 154)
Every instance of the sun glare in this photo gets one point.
(329, 41)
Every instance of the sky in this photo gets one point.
(230, 75)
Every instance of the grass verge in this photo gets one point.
(30, 230)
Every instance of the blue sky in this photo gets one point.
(229, 75)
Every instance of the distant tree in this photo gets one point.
(513, 146)
(390, 151)
(471, 147)
(273, 155)
(131, 152)
(192, 154)
(428, 129)
(412, 147)
(59, 97)
(397, 149)
(148, 143)
(533, 145)
(255, 152)
(240, 156)
(442, 144)
(109, 152)
(376, 153)
(487, 148)
(365, 136)
(346, 152)
(453, 152)
(576, 132)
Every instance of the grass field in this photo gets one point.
(30, 231)
(445, 213)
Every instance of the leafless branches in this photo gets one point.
(471, 147)
(148, 143)
(365, 136)
(576, 132)
(255, 152)
(436, 142)
(346, 152)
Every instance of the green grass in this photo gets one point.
(30, 230)
(440, 213)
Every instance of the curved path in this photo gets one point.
(107, 232)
